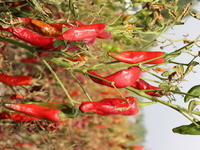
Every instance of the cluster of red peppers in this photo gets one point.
(106, 107)
(122, 79)
(46, 36)
(130, 76)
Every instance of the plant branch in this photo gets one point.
(59, 81)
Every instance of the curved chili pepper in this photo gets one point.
(111, 106)
(36, 111)
(16, 116)
(85, 31)
(143, 85)
(31, 37)
(121, 79)
(60, 109)
(15, 80)
(138, 56)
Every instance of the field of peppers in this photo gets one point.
(71, 72)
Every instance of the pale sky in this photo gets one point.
(159, 119)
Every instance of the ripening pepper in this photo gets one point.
(133, 57)
(111, 106)
(121, 79)
(143, 85)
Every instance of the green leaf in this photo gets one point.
(58, 43)
(191, 129)
(165, 85)
(195, 90)
(190, 67)
(166, 73)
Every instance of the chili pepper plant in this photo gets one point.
(72, 71)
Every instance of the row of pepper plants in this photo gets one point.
(108, 50)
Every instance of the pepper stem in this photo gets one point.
(142, 104)
(59, 81)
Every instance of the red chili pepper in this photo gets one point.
(103, 36)
(138, 56)
(22, 144)
(85, 31)
(111, 106)
(15, 80)
(121, 79)
(31, 37)
(16, 116)
(30, 60)
(36, 111)
(74, 93)
(16, 96)
(143, 85)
